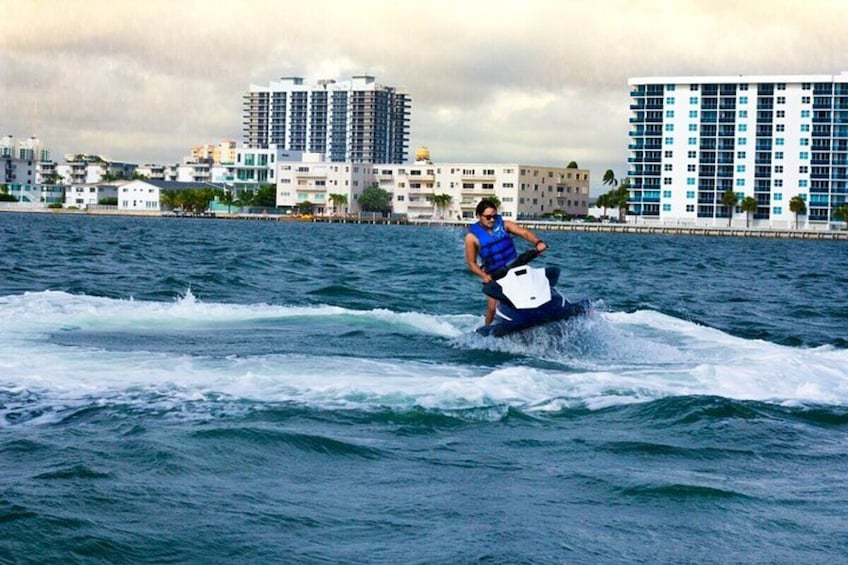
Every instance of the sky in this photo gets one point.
(539, 82)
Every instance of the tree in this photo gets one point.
(168, 199)
(842, 213)
(228, 198)
(729, 200)
(749, 206)
(266, 196)
(619, 199)
(609, 178)
(797, 206)
(375, 199)
(305, 207)
(603, 202)
(442, 201)
(572, 165)
(338, 200)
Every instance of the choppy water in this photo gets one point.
(176, 390)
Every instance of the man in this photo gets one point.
(491, 239)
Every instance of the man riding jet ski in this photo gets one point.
(491, 238)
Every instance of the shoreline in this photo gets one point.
(540, 225)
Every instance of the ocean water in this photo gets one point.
(180, 390)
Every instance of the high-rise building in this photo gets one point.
(357, 121)
(770, 138)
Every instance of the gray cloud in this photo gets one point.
(540, 81)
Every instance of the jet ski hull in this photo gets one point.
(510, 320)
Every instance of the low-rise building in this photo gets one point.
(442, 190)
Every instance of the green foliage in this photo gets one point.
(375, 199)
(749, 206)
(572, 165)
(55, 205)
(609, 178)
(841, 212)
(338, 200)
(5, 197)
(266, 196)
(442, 201)
(797, 206)
(729, 200)
(111, 201)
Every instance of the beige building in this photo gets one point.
(438, 190)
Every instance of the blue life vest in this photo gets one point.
(496, 248)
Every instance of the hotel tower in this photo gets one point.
(357, 121)
(768, 137)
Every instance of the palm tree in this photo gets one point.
(604, 201)
(442, 201)
(168, 199)
(797, 206)
(729, 200)
(749, 205)
(229, 199)
(338, 200)
(619, 198)
(609, 178)
(842, 212)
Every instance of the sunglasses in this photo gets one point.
(488, 216)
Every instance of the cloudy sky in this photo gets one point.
(534, 81)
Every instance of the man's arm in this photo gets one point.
(472, 247)
(523, 232)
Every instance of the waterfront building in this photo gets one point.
(525, 191)
(358, 121)
(144, 195)
(92, 169)
(223, 153)
(89, 195)
(20, 160)
(767, 137)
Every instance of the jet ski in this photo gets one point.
(527, 297)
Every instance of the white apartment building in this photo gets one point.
(525, 191)
(359, 120)
(84, 195)
(315, 180)
(767, 137)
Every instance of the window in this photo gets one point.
(691, 182)
(669, 141)
(740, 154)
(693, 141)
(690, 207)
(669, 113)
(743, 99)
(743, 127)
(667, 193)
(690, 194)
(666, 180)
(780, 127)
(740, 168)
(669, 100)
(666, 207)
(743, 113)
(805, 127)
(777, 210)
(669, 127)
(693, 113)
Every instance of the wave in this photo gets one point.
(64, 352)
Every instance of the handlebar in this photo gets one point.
(519, 261)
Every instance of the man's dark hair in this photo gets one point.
(484, 204)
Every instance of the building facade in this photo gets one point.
(357, 121)
(768, 137)
(524, 191)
